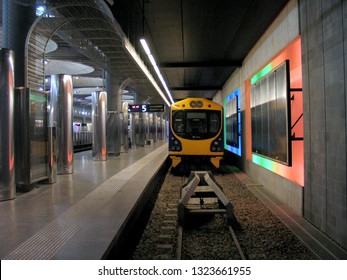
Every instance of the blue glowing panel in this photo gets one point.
(232, 122)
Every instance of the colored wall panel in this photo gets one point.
(236, 150)
(295, 172)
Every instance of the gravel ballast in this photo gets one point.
(206, 237)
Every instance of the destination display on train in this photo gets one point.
(145, 108)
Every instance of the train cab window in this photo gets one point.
(178, 121)
(214, 122)
(196, 124)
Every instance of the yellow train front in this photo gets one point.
(196, 132)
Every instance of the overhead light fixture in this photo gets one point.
(145, 46)
(45, 61)
(143, 67)
(156, 68)
(151, 59)
(40, 10)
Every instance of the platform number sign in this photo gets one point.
(146, 108)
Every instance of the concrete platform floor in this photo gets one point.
(79, 215)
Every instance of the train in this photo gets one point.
(196, 133)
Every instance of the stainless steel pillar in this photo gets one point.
(17, 18)
(155, 127)
(99, 114)
(125, 123)
(52, 157)
(151, 129)
(7, 177)
(113, 117)
(60, 116)
(113, 133)
(140, 129)
(132, 130)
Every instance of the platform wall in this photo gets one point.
(319, 192)
(283, 32)
(323, 27)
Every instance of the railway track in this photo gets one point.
(178, 237)
(201, 195)
(171, 238)
(236, 242)
(180, 232)
(207, 236)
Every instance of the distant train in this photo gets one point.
(196, 132)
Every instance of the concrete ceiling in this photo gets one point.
(197, 43)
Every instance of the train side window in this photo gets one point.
(178, 121)
(214, 122)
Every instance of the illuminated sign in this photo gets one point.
(137, 108)
(155, 107)
(146, 108)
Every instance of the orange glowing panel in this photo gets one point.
(295, 172)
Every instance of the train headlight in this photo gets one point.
(175, 145)
(217, 145)
(196, 104)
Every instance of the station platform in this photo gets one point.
(82, 215)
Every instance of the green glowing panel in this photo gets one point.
(37, 97)
(266, 70)
(264, 162)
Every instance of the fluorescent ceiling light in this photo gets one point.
(154, 64)
(145, 46)
(151, 58)
(143, 67)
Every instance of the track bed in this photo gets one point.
(260, 233)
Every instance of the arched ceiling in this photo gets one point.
(88, 41)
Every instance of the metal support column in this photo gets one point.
(124, 128)
(113, 117)
(17, 18)
(7, 177)
(60, 116)
(99, 114)
(52, 156)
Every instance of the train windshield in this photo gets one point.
(196, 124)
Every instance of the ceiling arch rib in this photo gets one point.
(86, 32)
